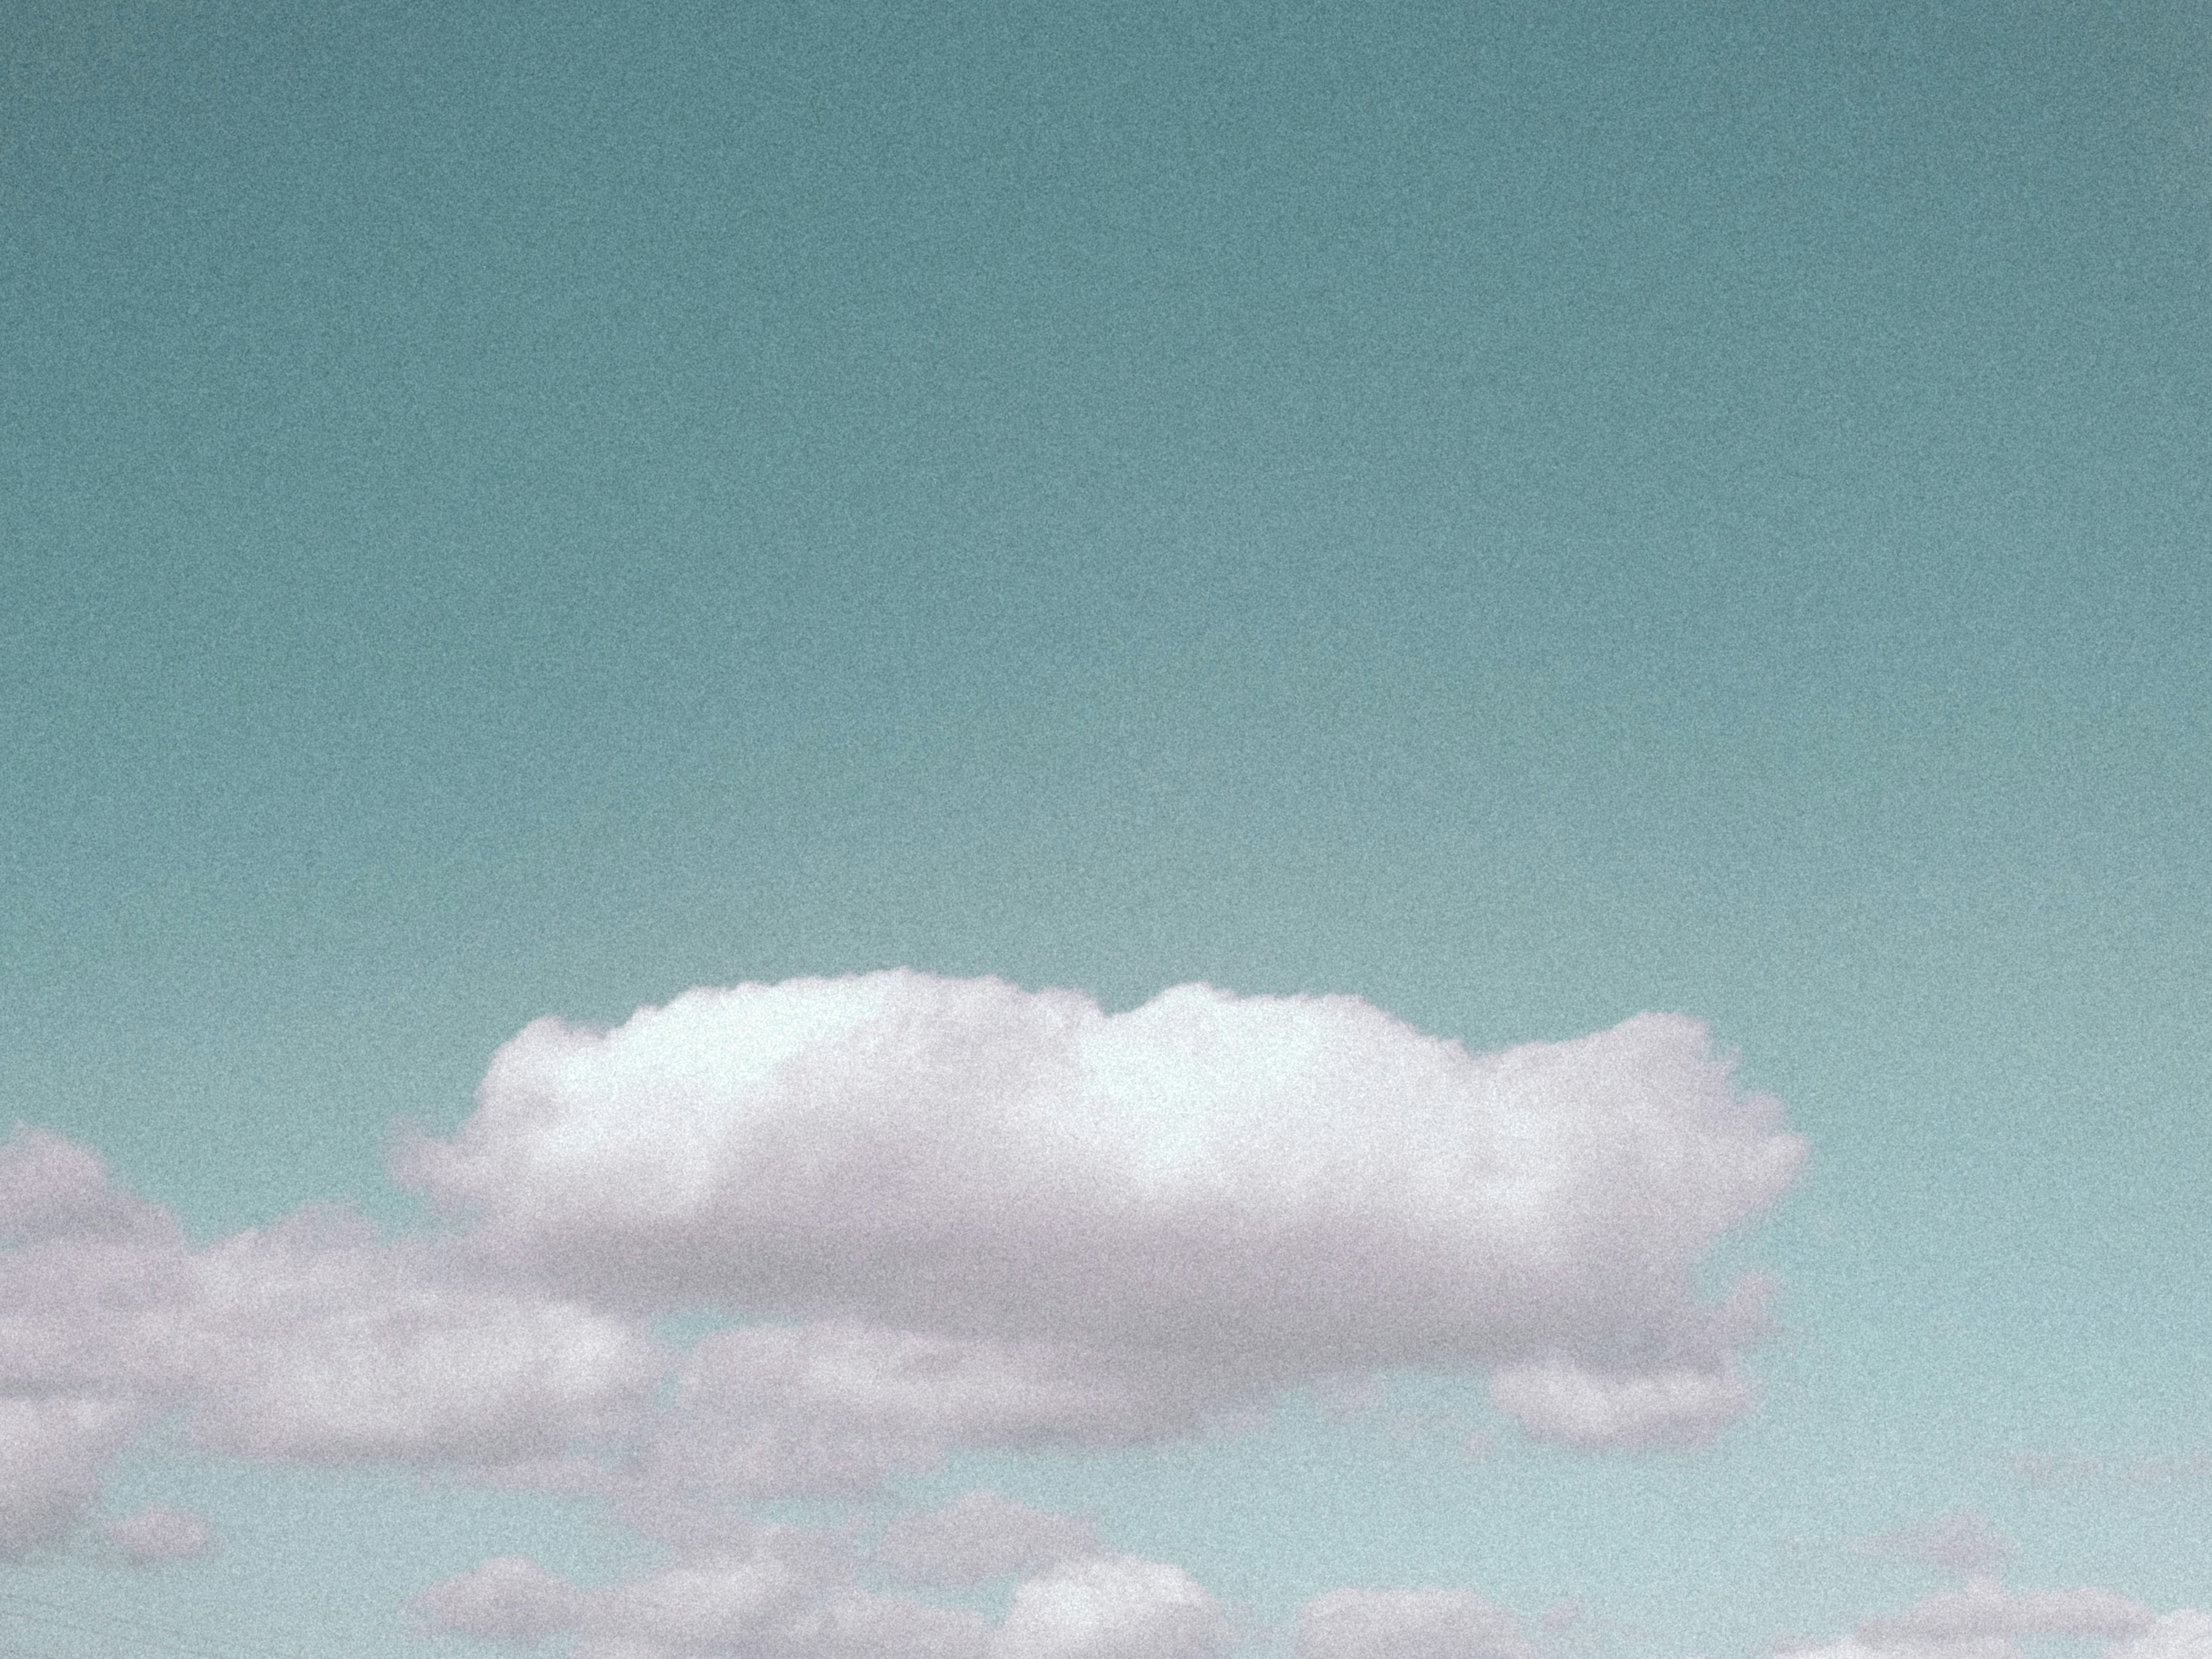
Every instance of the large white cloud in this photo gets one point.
(1259, 1188)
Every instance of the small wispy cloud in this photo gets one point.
(157, 1534)
(1959, 1541)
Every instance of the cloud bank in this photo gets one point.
(934, 1215)
(941, 1215)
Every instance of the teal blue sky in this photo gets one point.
(1524, 513)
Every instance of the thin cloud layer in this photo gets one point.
(1961, 1541)
(1259, 1190)
(1983, 1607)
(785, 1594)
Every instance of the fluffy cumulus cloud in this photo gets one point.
(1240, 1191)
(1113, 1608)
(1425, 1624)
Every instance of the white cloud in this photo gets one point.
(776, 1593)
(1112, 1607)
(980, 1536)
(89, 1282)
(1558, 1401)
(699, 1606)
(311, 1341)
(1424, 1624)
(314, 1341)
(1257, 1189)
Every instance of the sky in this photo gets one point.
(1200, 831)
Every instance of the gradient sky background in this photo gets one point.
(1521, 512)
